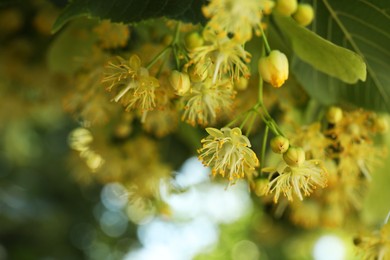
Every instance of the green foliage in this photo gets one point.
(361, 26)
(322, 54)
(74, 42)
(131, 11)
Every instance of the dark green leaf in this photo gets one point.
(362, 26)
(322, 54)
(131, 11)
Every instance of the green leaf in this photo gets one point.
(361, 26)
(131, 11)
(323, 55)
(71, 46)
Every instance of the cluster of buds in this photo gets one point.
(302, 13)
(293, 156)
(80, 140)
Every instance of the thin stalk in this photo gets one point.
(387, 218)
(264, 146)
(238, 118)
(252, 120)
(267, 117)
(157, 57)
(175, 45)
(266, 44)
(244, 121)
(177, 34)
(160, 69)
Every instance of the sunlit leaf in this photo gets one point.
(362, 26)
(323, 55)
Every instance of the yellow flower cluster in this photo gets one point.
(247, 16)
(80, 140)
(346, 148)
(137, 87)
(289, 180)
(227, 152)
(375, 245)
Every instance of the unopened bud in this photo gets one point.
(381, 124)
(354, 130)
(135, 62)
(334, 115)
(193, 40)
(286, 7)
(294, 156)
(180, 82)
(268, 5)
(304, 14)
(94, 161)
(279, 144)
(79, 139)
(261, 187)
(241, 83)
(274, 68)
(198, 72)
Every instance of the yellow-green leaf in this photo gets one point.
(322, 54)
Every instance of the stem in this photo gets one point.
(143, 118)
(245, 119)
(160, 69)
(238, 117)
(175, 45)
(252, 120)
(177, 34)
(157, 57)
(387, 218)
(267, 48)
(170, 46)
(268, 120)
(264, 145)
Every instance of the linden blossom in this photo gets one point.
(247, 16)
(228, 152)
(224, 55)
(296, 180)
(139, 86)
(375, 245)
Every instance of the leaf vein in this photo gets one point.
(375, 8)
(378, 83)
(356, 19)
(371, 43)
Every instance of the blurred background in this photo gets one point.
(50, 209)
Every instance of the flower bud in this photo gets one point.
(93, 160)
(268, 5)
(279, 144)
(135, 62)
(180, 82)
(304, 14)
(286, 7)
(193, 40)
(198, 72)
(261, 187)
(274, 68)
(294, 156)
(381, 124)
(354, 130)
(241, 83)
(79, 139)
(334, 115)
